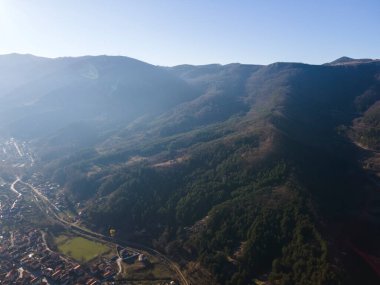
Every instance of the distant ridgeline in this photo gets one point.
(242, 173)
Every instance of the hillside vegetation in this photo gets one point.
(238, 172)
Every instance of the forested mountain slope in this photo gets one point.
(240, 172)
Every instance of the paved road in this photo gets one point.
(50, 208)
(14, 189)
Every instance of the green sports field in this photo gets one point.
(79, 248)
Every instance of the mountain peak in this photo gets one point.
(348, 60)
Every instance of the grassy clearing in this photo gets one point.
(155, 270)
(79, 248)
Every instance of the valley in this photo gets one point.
(215, 174)
(35, 224)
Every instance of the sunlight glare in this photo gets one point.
(3, 14)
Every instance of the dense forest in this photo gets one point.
(241, 173)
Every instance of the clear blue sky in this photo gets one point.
(170, 32)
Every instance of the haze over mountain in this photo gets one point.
(240, 172)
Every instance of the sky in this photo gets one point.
(172, 32)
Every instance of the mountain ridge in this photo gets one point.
(241, 171)
(347, 60)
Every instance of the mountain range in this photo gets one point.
(242, 173)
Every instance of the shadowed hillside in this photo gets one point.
(242, 173)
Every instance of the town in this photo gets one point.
(33, 217)
(26, 259)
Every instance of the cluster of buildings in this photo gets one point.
(26, 259)
(14, 208)
(15, 151)
(49, 190)
(103, 269)
(46, 187)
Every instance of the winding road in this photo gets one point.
(53, 211)
(13, 187)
